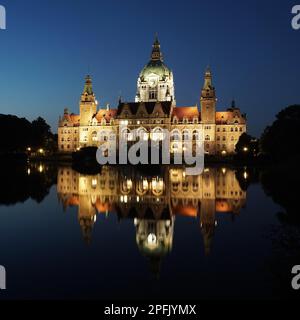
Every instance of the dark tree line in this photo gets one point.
(17, 134)
(279, 141)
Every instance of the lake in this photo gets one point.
(140, 233)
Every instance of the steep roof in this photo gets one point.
(134, 107)
(105, 114)
(186, 112)
(230, 116)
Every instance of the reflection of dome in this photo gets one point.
(155, 67)
(154, 239)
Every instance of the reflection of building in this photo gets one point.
(154, 109)
(152, 202)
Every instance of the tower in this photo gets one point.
(155, 82)
(88, 103)
(208, 100)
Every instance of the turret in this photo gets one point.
(88, 102)
(208, 100)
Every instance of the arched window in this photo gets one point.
(175, 135)
(157, 134)
(186, 134)
(94, 136)
(142, 134)
(207, 138)
(196, 135)
(153, 95)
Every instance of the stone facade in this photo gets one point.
(154, 109)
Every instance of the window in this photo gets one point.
(186, 135)
(152, 95)
(157, 134)
(175, 135)
(94, 136)
(196, 135)
(207, 138)
(224, 138)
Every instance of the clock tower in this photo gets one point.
(88, 103)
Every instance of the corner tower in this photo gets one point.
(155, 82)
(208, 100)
(88, 103)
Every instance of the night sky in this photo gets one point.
(50, 45)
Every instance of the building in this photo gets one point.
(154, 109)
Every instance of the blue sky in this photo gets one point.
(49, 47)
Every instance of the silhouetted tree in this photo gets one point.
(18, 133)
(247, 146)
(40, 132)
(280, 140)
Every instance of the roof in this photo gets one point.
(73, 118)
(186, 112)
(105, 114)
(232, 115)
(185, 210)
(134, 106)
(156, 67)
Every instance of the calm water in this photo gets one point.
(129, 233)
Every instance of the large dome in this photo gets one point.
(155, 82)
(157, 67)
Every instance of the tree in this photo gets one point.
(40, 132)
(247, 146)
(280, 140)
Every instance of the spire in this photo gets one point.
(88, 87)
(208, 78)
(156, 53)
(233, 104)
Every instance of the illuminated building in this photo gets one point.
(153, 110)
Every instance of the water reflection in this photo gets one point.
(20, 183)
(153, 201)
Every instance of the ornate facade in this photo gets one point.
(154, 109)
